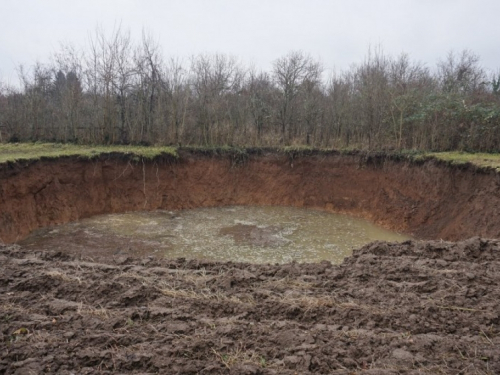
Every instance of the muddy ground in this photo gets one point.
(416, 307)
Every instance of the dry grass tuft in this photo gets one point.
(100, 312)
(203, 294)
(63, 276)
(239, 355)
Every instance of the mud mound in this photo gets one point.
(431, 307)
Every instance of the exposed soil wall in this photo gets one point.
(430, 200)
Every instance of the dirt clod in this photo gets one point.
(422, 307)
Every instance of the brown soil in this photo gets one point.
(416, 307)
(430, 200)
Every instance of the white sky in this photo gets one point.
(338, 33)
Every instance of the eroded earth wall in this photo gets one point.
(430, 200)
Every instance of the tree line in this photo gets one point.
(117, 91)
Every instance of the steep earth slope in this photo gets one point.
(430, 200)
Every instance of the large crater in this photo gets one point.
(430, 200)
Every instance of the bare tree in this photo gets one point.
(461, 73)
(213, 78)
(177, 97)
(371, 83)
(3, 110)
(260, 91)
(408, 84)
(148, 61)
(291, 73)
(119, 91)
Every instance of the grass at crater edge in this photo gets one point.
(482, 160)
(11, 152)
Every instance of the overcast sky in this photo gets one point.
(338, 33)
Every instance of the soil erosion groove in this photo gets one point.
(431, 199)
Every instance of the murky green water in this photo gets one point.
(244, 234)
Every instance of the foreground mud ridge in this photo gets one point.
(416, 307)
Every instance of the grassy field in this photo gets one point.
(33, 151)
(479, 159)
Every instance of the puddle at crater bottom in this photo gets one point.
(237, 233)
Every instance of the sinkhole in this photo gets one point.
(255, 234)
